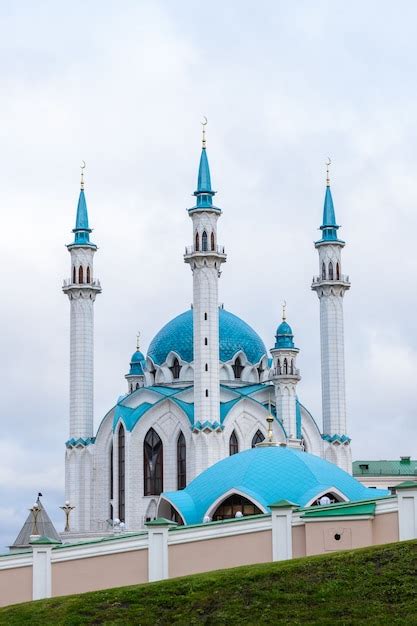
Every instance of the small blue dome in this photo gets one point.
(137, 364)
(234, 335)
(284, 336)
(266, 475)
(137, 357)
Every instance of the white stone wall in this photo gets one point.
(79, 486)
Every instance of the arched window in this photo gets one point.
(212, 240)
(205, 317)
(206, 368)
(206, 393)
(197, 242)
(260, 372)
(175, 369)
(337, 271)
(237, 368)
(233, 444)
(137, 385)
(74, 275)
(88, 275)
(285, 367)
(292, 366)
(204, 242)
(121, 464)
(152, 464)
(80, 275)
(111, 480)
(279, 367)
(181, 462)
(235, 504)
(131, 388)
(205, 341)
(257, 438)
(330, 271)
(323, 272)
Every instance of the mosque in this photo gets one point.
(207, 390)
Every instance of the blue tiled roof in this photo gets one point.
(137, 364)
(329, 227)
(284, 336)
(235, 335)
(266, 475)
(82, 230)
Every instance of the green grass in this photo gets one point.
(370, 586)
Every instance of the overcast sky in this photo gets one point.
(124, 86)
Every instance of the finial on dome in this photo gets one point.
(82, 166)
(284, 307)
(138, 341)
(328, 163)
(204, 124)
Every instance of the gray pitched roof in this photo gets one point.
(44, 527)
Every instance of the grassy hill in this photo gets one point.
(370, 586)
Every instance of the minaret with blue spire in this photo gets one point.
(81, 289)
(136, 375)
(205, 258)
(330, 286)
(285, 377)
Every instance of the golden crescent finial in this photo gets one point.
(204, 124)
(328, 163)
(82, 166)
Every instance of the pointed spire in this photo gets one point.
(204, 192)
(82, 230)
(329, 227)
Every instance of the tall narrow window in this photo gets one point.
(257, 438)
(323, 272)
(279, 367)
(181, 462)
(152, 464)
(205, 341)
(74, 275)
(205, 317)
(233, 444)
(197, 242)
(285, 367)
(204, 242)
(206, 393)
(292, 366)
(175, 369)
(330, 271)
(88, 275)
(337, 271)
(111, 480)
(121, 450)
(237, 368)
(80, 275)
(212, 241)
(206, 367)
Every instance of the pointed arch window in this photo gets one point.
(237, 368)
(197, 242)
(330, 271)
(80, 275)
(323, 272)
(285, 367)
(204, 242)
(212, 241)
(233, 444)
(257, 438)
(337, 271)
(88, 274)
(74, 275)
(181, 462)
(235, 504)
(175, 369)
(152, 464)
(292, 367)
(121, 468)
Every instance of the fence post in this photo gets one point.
(407, 509)
(41, 566)
(158, 565)
(281, 514)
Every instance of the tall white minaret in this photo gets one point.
(81, 289)
(330, 287)
(285, 377)
(205, 258)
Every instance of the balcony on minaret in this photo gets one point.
(341, 279)
(279, 373)
(218, 251)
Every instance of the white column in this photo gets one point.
(41, 568)
(158, 565)
(281, 518)
(407, 510)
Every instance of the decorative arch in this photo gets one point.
(175, 369)
(332, 492)
(212, 241)
(74, 275)
(121, 472)
(285, 367)
(238, 367)
(330, 270)
(337, 271)
(181, 461)
(236, 500)
(323, 271)
(233, 444)
(88, 274)
(152, 464)
(204, 242)
(258, 437)
(197, 242)
(81, 275)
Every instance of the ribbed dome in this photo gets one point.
(284, 336)
(266, 475)
(235, 335)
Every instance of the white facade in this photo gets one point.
(203, 391)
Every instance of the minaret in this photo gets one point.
(205, 258)
(136, 376)
(330, 287)
(285, 377)
(81, 290)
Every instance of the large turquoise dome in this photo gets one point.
(265, 476)
(234, 335)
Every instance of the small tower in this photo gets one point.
(205, 258)
(285, 377)
(136, 376)
(330, 287)
(81, 289)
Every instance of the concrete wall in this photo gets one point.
(15, 585)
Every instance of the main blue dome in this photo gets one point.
(266, 475)
(234, 335)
